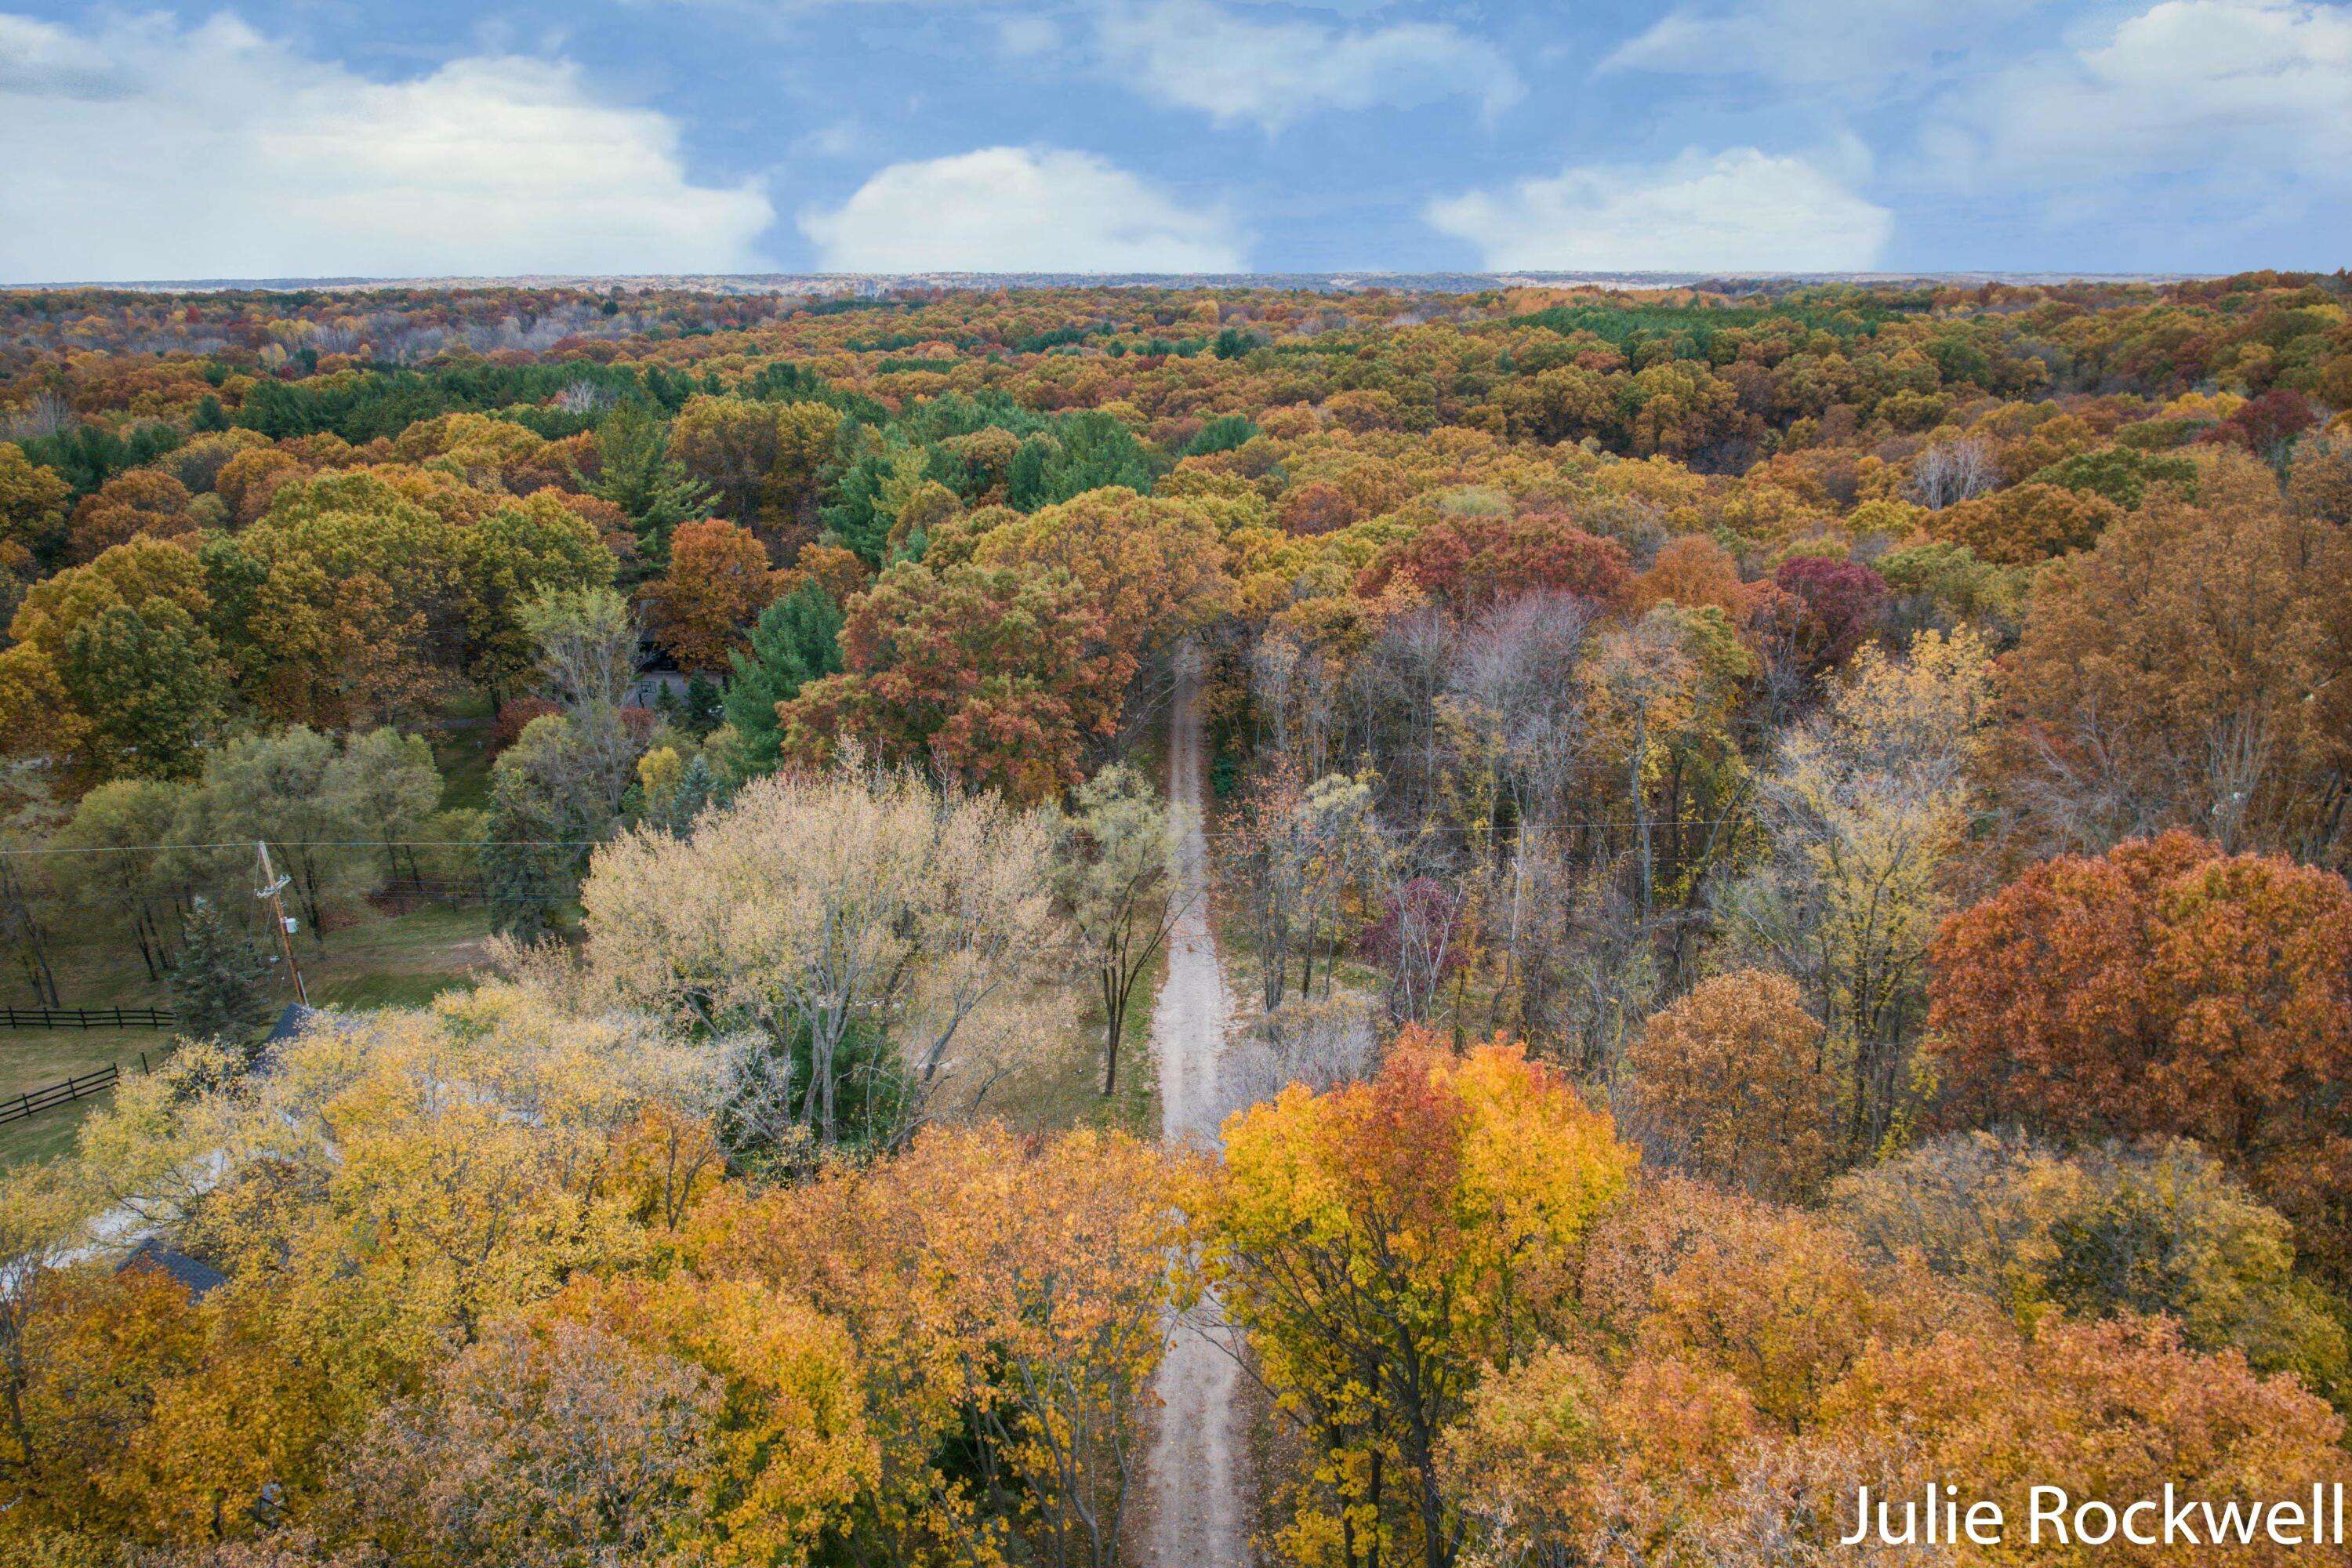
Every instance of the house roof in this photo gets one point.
(289, 1023)
(194, 1274)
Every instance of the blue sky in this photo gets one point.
(328, 137)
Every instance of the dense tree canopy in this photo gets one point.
(1777, 849)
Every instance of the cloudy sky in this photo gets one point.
(335, 137)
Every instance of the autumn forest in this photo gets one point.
(1079, 926)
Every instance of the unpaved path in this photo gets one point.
(1198, 1451)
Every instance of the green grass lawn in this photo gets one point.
(463, 753)
(377, 960)
(36, 1059)
(398, 960)
(46, 1136)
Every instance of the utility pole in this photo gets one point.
(272, 884)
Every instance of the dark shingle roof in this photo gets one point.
(290, 1024)
(196, 1275)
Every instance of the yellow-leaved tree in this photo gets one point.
(389, 1192)
(1863, 808)
(1004, 1298)
(1382, 1243)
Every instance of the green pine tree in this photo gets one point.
(219, 983)
(636, 474)
(796, 640)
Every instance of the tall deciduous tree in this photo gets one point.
(114, 668)
(884, 938)
(33, 501)
(1006, 1299)
(276, 788)
(2114, 1229)
(1116, 882)
(345, 603)
(1151, 568)
(386, 784)
(1384, 1242)
(584, 646)
(717, 583)
(763, 459)
(534, 546)
(1730, 1081)
(123, 880)
(1863, 807)
(2192, 671)
(994, 676)
(2164, 987)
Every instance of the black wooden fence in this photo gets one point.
(57, 1094)
(96, 1081)
(84, 1018)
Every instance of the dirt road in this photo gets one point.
(1198, 1452)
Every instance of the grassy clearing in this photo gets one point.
(46, 1136)
(1065, 1091)
(383, 960)
(399, 961)
(1065, 1088)
(35, 1058)
(463, 753)
(380, 960)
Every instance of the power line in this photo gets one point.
(320, 844)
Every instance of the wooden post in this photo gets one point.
(271, 886)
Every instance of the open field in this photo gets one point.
(384, 961)
(34, 1059)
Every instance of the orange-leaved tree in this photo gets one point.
(716, 585)
(2164, 987)
(1005, 1300)
(1734, 1080)
(1151, 567)
(996, 677)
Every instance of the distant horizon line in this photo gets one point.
(1441, 280)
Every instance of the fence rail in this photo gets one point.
(85, 1018)
(98, 1080)
(57, 1094)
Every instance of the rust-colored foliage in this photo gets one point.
(2165, 987)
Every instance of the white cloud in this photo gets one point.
(1013, 209)
(2257, 87)
(1237, 69)
(1818, 42)
(1737, 210)
(140, 150)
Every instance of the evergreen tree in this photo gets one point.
(699, 712)
(217, 980)
(637, 476)
(526, 876)
(796, 640)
